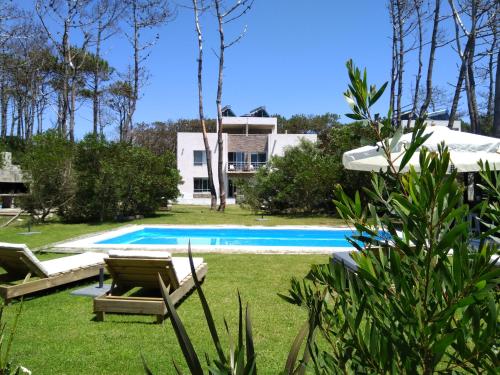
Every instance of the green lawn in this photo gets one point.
(57, 334)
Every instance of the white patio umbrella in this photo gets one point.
(466, 150)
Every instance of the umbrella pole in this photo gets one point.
(470, 187)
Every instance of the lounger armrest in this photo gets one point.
(28, 260)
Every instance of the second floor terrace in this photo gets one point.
(246, 153)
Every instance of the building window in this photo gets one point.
(201, 185)
(236, 157)
(200, 157)
(243, 161)
(258, 159)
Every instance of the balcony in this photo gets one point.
(244, 168)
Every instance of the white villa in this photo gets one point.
(249, 142)
(437, 118)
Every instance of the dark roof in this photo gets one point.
(227, 111)
(258, 112)
(442, 114)
(439, 115)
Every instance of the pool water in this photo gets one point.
(234, 237)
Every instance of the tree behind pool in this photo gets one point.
(117, 180)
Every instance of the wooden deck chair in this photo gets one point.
(20, 264)
(131, 269)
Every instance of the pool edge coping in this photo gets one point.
(79, 244)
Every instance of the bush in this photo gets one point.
(343, 138)
(298, 182)
(47, 163)
(146, 181)
(301, 180)
(117, 180)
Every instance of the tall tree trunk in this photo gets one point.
(39, 117)
(418, 10)
(135, 84)
(470, 83)
(72, 110)
(461, 76)
(65, 90)
(394, 63)
(491, 81)
(208, 151)
(401, 54)
(95, 93)
(4, 103)
(496, 116)
(13, 117)
(456, 96)
(33, 107)
(430, 66)
(20, 126)
(220, 143)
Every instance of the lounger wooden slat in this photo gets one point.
(8, 292)
(25, 274)
(128, 273)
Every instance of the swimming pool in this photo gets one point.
(282, 239)
(233, 237)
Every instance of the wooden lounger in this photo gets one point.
(20, 264)
(132, 269)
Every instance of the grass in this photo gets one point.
(57, 334)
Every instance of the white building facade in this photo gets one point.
(437, 118)
(249, 142)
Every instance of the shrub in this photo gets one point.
(115, 180)
(342, 138)
(47, 163)
(422, 302)
(301, 180)
(146, 181)
(95, 196)
(298, 182)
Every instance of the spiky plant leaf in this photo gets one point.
(206, 309)
(184, 341)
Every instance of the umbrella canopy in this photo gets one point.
(466, 150)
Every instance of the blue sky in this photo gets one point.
(292, 60)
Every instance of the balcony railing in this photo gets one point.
(244, 167)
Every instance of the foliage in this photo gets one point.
(16, 146)
(298, 182)
(116, 180)
(95, 196)
(241, 357)
(48, 165)
(340, 139)
(160, 137)
(301, 180)
(7, 366)
(146, 181)
(307, 124)
(421, 300)
(490, 210)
